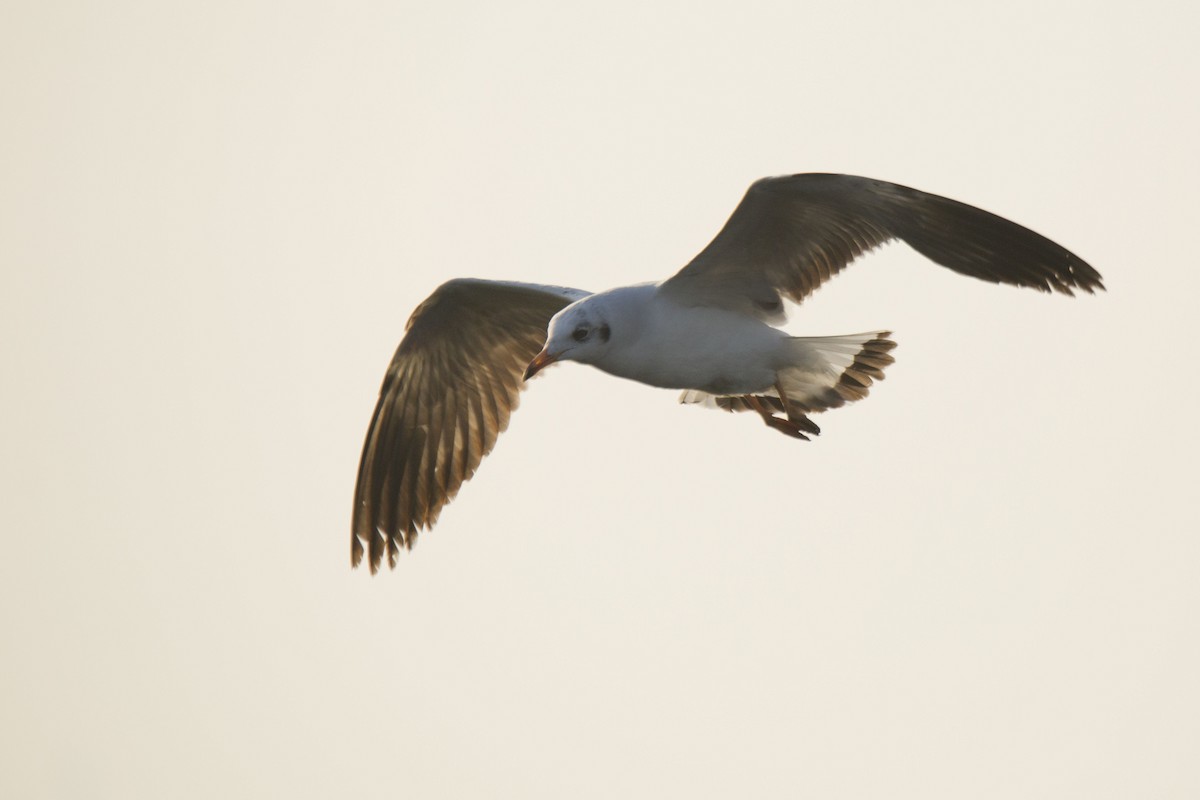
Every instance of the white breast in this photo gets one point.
(678, 347)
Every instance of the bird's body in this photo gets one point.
(658, 341)
(710, 330)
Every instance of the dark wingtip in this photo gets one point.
(1078, 275)
(975, 242)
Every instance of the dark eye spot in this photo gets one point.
(580, 334)
(605, 332)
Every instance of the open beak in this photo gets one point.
(542, 359)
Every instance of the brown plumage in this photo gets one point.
(454, 381)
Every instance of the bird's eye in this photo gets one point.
(580, 334)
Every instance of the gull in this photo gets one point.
(710, 330)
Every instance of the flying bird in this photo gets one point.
(710, 330)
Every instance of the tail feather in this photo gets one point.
(822, 372)
(830, 371)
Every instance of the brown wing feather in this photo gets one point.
(791, 234)
(449, 392)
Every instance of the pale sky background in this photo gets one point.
(214, 220)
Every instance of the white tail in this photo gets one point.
(829, 371)
(822, 372)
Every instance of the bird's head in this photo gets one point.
(580, 332)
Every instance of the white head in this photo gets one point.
(580, 332)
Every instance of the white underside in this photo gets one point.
(677, 347)
(712, 351)
(814, 365)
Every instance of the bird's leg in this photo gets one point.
(786, 426)
(794, 414)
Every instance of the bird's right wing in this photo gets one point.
(454, 381)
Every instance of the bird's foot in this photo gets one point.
(785, 426)
(795, 424)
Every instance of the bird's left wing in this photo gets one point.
(791, 234)
(454, 381)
